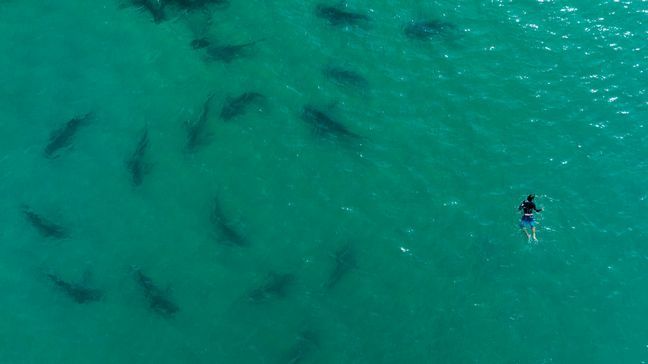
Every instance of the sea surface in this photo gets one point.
(360, 208)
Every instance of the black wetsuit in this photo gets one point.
(527, 218)
(528, 207)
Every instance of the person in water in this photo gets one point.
(528, 206)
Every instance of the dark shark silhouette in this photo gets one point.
(307, 342)
(274, 286)
(238, 105)
(200, 43)
(154, 7)
(197, 134)
(78, 292)
(44, 226)
(136, 164)
(345, 261)
(229, 52)
(158, 300)
(323, 124)
(428, 29)
(346, 77)
(190, 5)
(338, 16)
(226, 231)
(62, 137)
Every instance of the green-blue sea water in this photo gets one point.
(512, 98)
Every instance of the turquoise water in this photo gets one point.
(520, 96)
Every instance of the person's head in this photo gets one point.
(531, 197)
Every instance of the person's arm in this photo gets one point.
(535, 208)
(520, 207)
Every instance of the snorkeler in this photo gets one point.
(528, 206)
